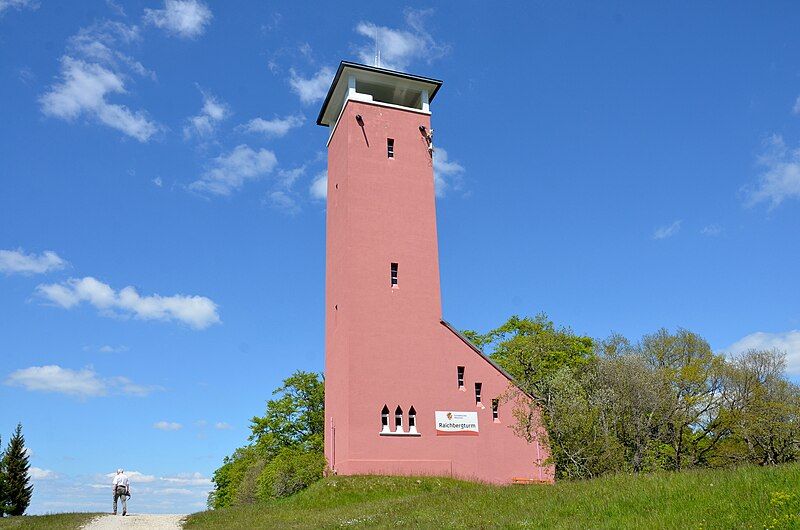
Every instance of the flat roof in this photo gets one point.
(434, 83)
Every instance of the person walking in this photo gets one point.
(122, 489)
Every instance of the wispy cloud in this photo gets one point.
(18, 262)
(311, 89)
(83, 383)
(788, 342)
(183, 18)
(447, 174)
(167, 426)
(221, 425)
(711, 230)
(137, 477)
(37, 473)
(399, 47)
(669, 230)
(319, 187)
(780, 178)
(112, 349)
(282, 201)
(205, 123)
(230, 171)
(275, 127)
(18, 4)
(796, 108)
(92, 70)
(198, 312)
(188, 479)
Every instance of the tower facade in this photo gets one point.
(404, 392)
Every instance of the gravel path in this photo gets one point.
(113, 522)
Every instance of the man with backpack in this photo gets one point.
(122, 489)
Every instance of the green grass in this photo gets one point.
(35, 522)
(747, 497)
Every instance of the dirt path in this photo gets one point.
(113, 522)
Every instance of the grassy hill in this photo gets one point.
(742, 498)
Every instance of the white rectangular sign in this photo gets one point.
(449, 423)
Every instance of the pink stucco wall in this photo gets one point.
(387, 346)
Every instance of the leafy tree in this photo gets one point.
(764, 408)
(3, 495)
(694, 375)
(285, 450)
(292, 470)
(532, 350)
(297, 417)
(18, 489)
(548, 363)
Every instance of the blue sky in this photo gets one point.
(620, 167)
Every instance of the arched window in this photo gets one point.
(412, 420)
(385, 419)
(495, 411)
(398, 419)
(478, 387)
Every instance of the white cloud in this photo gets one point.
(283, 201)
(780, 179)
(229, 172)
(399, 47)
(16, 261)
(275, 127)
(83, 90)
(188, 479)
(711, 230)
(446, 174)
(37, 473)
(184, 18)
(319, 187)
(158, 182)
(222, 425)
(205, 123)
(83, 383)
(175, 491)
(788, 342)
(670, 230)
(796, 108)
(313, 88)
(116, 8)
(196, 311)
(135, 477)
(112, 349)
(18, 4)
(167, 426)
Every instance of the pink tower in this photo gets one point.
(405, 393)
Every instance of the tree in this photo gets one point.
(548, 364)
(3, 497)
(764, 408)
(685, 363)
(18, 489)
(285, 453)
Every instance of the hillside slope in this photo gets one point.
(741, 498)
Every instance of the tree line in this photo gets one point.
(664, 402)
(15, 483)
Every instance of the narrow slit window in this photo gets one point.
(385, 419)
(390, 147)
(478, 393)
(394, 275)
(398, 419)
(412, 420)
(495, 411)
(460, 377)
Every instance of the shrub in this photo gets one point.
(292, 470)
